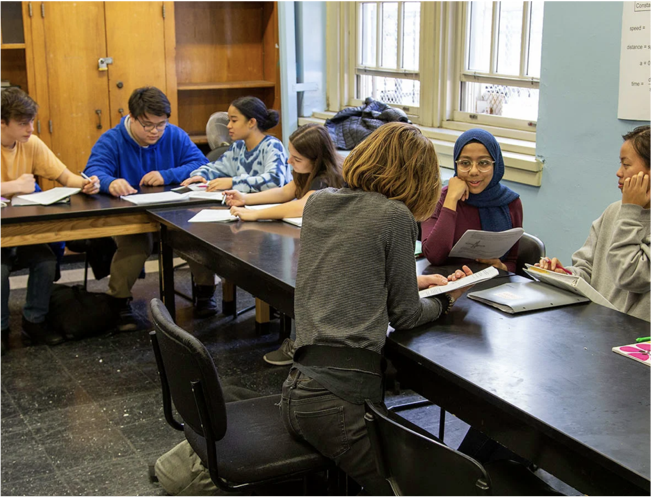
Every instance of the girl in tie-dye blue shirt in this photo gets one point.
(257, 170)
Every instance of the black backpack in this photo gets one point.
(76, 313)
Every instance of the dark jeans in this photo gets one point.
(42, 265)
(334, 427)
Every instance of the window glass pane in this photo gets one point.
(510, 38)
(499, 100)
(410, 35)
(369, 33)
(392, 91)
(479, 27)
(535, 39)
(390, 35)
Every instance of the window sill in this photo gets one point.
(521, 164)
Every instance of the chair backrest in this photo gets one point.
(186, 360)
(530, 250)
(216, 153)
(415, 464)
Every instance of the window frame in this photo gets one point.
(441, 68)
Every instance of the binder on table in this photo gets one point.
(637, 351)
(485, 274)
(523, 297)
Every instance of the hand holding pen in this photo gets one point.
(552, 265)
(92, 185)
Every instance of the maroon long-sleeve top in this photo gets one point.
(441, 231)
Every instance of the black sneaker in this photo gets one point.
(41, 333)
(126, 319)
(206, 305)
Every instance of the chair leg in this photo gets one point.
(86, 271)
(442, 425)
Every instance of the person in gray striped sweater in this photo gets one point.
(355, 276)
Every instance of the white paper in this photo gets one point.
(635, 63)
(570, 282)
(156, 198)
(261, 206)
(213, 216)
(45, 198)
(296, 221)
(477, 244)
(217, 196)
(483, 275)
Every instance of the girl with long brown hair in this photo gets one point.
(316, 165)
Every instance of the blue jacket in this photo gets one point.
(117, 155)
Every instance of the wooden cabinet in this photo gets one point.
(224, 50)
(203, 55)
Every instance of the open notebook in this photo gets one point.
(569, 282)
(483, 275)
(48, 197)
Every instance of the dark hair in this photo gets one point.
(149, 100)
(639, 138)
(313, 142)
(16, 104)
(254, 108)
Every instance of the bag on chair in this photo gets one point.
(77, 313)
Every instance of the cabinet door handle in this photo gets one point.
(121, 111)
(99, 116)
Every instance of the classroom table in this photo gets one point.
(544, 384)
(259, 257)
(85, 216)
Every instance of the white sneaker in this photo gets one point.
(284, 356)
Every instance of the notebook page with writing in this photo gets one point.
(483, 275)
(478, 244)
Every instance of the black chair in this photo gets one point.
(242, 443)
(415, 462)
(530, 250)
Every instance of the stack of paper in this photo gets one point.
(296, 221)
(478, 277)
(213, 216)
(261, 206)
(45, 198)
(572, 283)
(155, 198)
(216, 196)
(476, 244)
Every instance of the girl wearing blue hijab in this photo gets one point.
(474, 199)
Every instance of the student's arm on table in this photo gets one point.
(235, 198)
(273, 175)
(103, 163)
(25, 183)
(88, 186)
(223, 167)
(293, 208)
(187, 158)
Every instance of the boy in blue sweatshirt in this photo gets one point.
(145, 149)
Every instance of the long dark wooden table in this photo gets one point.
(545, 384)
(258, 257)
(85, 216)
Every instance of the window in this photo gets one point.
(501, 63)
(388, 55)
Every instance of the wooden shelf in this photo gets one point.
(199, 139)
(12, 46)
(225, 85)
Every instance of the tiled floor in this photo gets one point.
(85, 417)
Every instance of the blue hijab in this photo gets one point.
(493, 202)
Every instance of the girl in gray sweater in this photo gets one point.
(615, 258)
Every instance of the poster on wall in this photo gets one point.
(635, 62)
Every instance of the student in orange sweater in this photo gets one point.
(25, 156)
